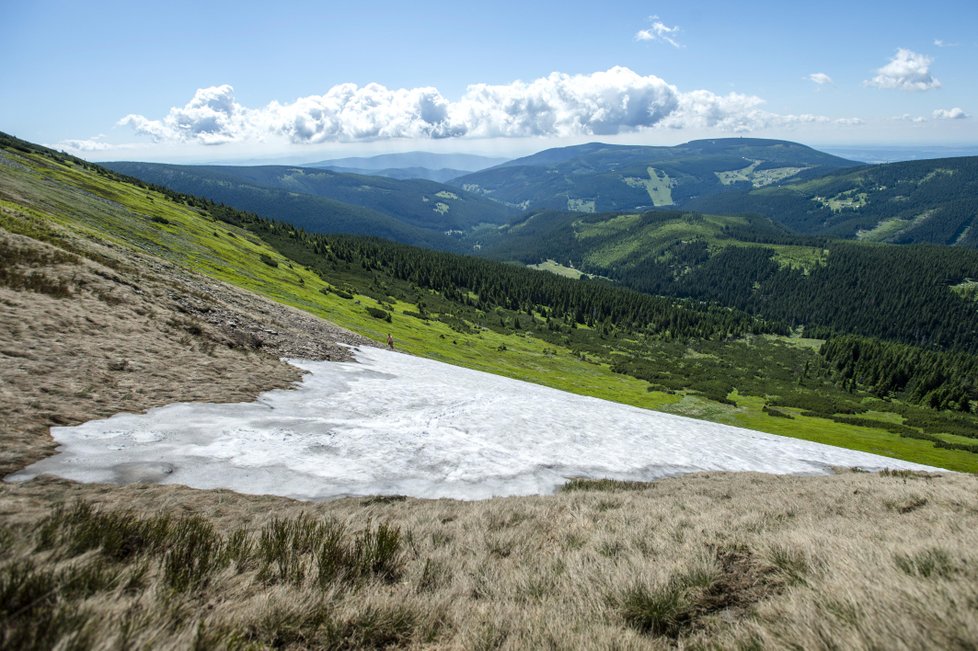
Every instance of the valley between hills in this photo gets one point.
(121, 295)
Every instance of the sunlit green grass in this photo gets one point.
(555, 267)
(749, 414)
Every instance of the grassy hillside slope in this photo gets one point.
(40, 190)
(110, 301)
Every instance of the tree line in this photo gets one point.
(936, 379)
(895, 293)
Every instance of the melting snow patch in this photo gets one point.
(397, 424)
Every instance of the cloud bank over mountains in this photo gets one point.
(610, 102)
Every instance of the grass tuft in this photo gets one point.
(373, 553)
(906, 474)
(587, 484)
(731, 581)
(283, 544)
(660, 610)
(39, 609)
(927, 563)
(119, 535)
(192, 555)
(792, 564)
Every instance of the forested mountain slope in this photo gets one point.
(914, 294)
(598, 177)
(930, 201)
(412, 211)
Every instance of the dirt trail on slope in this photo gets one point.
(81, 340)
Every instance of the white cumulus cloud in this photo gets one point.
(906, 117)
(211, 117)
(84, 145)
(659, 31)
(609, 102)
(950, 114)
(734, 112)
(602, 103)
(348, 112)
(907, 70)
(820, 78)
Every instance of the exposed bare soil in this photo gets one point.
(82, 340)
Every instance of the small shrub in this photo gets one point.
(383, 499)
(25, 589)
(33, 281)
(378, 313)
(83, 581)
(908, 505)
(156, 219)
(777, 413)
(6, 542)
(242, 340)
(374, 627)
(264, 257)
(119, 365)
(332, 556)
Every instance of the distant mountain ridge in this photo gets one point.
(442, 175)
(807, 191)
(410, 165)
(598, 177)
(420, 212)
(430, 160)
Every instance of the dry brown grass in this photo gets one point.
(853, 560)
(128, 337)
(727, 561)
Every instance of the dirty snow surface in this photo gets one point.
(396, 424)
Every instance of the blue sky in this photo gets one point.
(308, 80)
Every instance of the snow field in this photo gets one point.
(396, 424)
